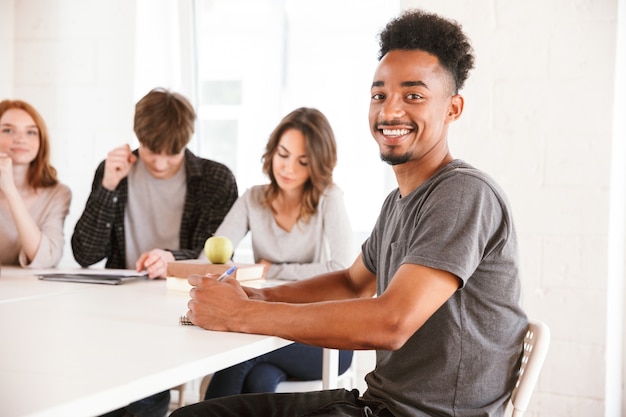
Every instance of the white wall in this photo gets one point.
(74, 61)
(538, 117)
(6, 48)
(615, 398)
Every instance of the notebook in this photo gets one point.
(110, 277)
(179, 271)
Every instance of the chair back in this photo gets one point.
(536, 344)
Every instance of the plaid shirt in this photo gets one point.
(99, 233)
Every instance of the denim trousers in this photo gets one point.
(329, 403)
(153, 406)
(264, 373)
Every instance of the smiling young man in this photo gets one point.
(442, 259)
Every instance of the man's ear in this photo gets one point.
(456, 107)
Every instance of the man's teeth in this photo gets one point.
(395, 132)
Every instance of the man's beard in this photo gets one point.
(395, 159)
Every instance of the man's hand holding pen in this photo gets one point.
(213, 301)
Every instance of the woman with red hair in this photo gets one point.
(33, 204)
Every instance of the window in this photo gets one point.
(259, 59)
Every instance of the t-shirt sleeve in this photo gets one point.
(457, 227)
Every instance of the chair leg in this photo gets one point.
(204, 385)
(181, 394)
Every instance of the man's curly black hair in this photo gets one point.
(444, 38)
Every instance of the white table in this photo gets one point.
(71, 349)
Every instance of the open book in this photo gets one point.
(179, 271)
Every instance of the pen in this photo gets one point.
(183, 320)
(228, 273)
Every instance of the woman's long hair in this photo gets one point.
(321, 154)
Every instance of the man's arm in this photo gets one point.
(335, 310)
(338, 285)
(91, 239)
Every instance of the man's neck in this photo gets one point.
(412, 174)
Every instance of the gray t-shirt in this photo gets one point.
(463, 361)
(323, 244)
(154, 211)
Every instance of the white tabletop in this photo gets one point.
(71, 349)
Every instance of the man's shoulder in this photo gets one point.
(201, 166)
(459, 170)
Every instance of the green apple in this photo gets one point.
(219, 249)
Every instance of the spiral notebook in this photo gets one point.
(105, 276)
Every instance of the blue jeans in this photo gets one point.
(335, 403)
(153, 406)
(264, 373)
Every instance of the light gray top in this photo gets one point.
(49, 210)
(321, 245)
(153, 212)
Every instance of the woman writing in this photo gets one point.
(33, 204)
(299, 228)
(298, 222)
